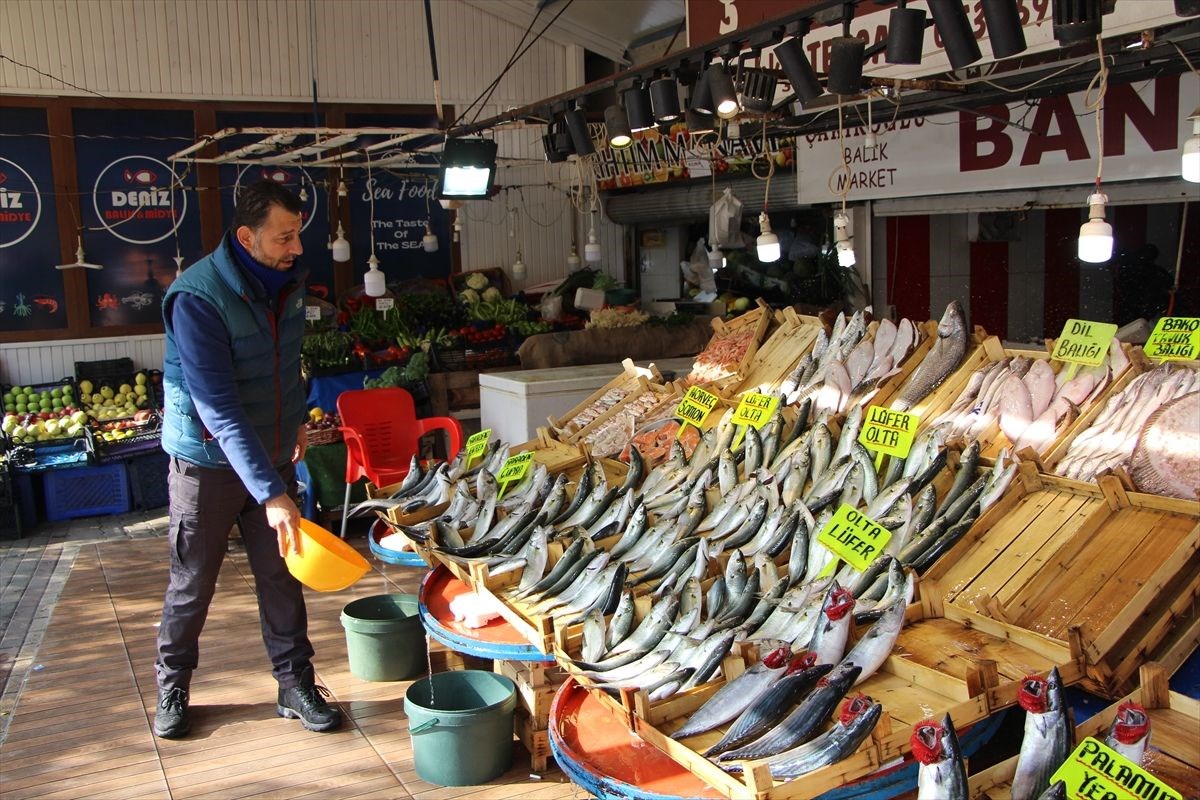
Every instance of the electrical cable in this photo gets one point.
(1099, 85)
(12, 60)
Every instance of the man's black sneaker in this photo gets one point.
(304, 702)
(171, 717)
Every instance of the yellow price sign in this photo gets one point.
(1095, 771)
(889, 432)
(1174, 339)
(854, 537)
(755, 409)
(514, 470)
(477, 444)
(695, 407)
(1084, 342)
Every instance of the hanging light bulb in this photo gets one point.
(303, 195)
(841, 236)
(573, 262)
(1095, 235)
(591, 250)
(374, 281)
(340, 247)
(1191, 151)
(768, 242)
(518, 268)
(429, 242)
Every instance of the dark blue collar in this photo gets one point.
(272, 280)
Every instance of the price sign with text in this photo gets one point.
(312, 313)
(477, 443)
(1095, 770)
(1174, 339)
(695, 407)
(1084, 342)
(384, 304)
(889, 432)
(755, 409)
(514, 470)
(854, 537)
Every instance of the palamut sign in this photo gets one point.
(711, 19)
(20, 203)
(133, 199)
(1048, 142)
(293, 178)
(657, 158)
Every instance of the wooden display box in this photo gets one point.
(793, 336)
(758, 320)
(562, 427)
(535, 693)
(1095, 568)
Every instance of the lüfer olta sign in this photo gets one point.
(1049, 142)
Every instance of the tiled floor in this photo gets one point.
(79, 604)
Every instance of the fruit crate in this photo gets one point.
(15, 403)
(137, 437)
(86, 491)
(476, 358)
(113, 383)
(148, 485)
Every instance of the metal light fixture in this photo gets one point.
(1004, 28)
(664, 99)
(580, 137)
(374, 281)
(906, 35)
(557, 141)
(1096, 235)
(591, 250)
(637, 108)
(1191, 151)
(799, 70)
(699, 123)
(757, 90)
(518, 268)
(842, 240)
(701, 99)
(951, 20)
(341, 247)
(468, 168)
(767, 244)
(846, 60)
(1076, 20)
(80, 262)
(724, 97)
(616, 124)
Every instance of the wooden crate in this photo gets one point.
(1173, 754)
(563, 426)
(535, 740)
(1098, 568)
(644, 392)
(536, 685)
(992, 441)
(758, 320)
(794, 335)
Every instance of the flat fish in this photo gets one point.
(1016, 408)
(1040, 382)
(1164, 459)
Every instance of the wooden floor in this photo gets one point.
(82, 725)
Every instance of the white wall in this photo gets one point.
(47, 362)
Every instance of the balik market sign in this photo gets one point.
(20, 203)
(133, 199)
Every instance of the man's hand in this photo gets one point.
(301, 445)
(284, 517)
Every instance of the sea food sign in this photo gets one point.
(139, 199)
(1048, 142)
(20, 203)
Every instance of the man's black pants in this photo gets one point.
(205, 503)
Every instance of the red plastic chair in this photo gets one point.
(382, 432)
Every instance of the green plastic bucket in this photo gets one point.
(463, 735)
(384, 637)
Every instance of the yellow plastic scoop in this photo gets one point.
(326, 563)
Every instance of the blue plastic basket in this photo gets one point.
(86, 491)
(148, 479)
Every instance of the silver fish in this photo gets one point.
(1049, 736)
(727, 472)
(593, 636)
(941, 773)
(736, 695)
(876, 645)
(621, 623)
(859, 717)
(1130, 731)
(941, 360)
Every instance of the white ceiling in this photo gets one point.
(606, 27)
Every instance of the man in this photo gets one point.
(234, 427)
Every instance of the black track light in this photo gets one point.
(799, 70)
(720, 87)
(637, 108)
(699, 122)
(553, 154)
(664, 99)
(557, 141)
(758, 90)
(906, 35)
(577, 125)
(616, 123)
(701, 99)
(845, 65)
(951, 20)
(1004, 28)
(1076, 20)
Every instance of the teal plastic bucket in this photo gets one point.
(463, 735)
(385, 639)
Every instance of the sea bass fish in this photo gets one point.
(941, 360)
(1049, 737)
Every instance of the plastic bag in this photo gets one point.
(698, 271)
(725, 222)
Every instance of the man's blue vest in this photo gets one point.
(265, 338)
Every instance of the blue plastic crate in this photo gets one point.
(86, 491)
(148, 479)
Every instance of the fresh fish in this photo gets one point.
(593, 636)
(828, 642)
(859, 717)
(1049, 736)
(714, 600)
(753, 450)
(870, 651)
(606, 595)
(707, 658)
(941, 360)
(635, 527)
(1130, 731)
(967, 464)
(582, 490)
(804, 722)
(736, 574)
(771, 706)
(536, 557)
(1057, 791)
(941, 773)
(822, 449)
(668, 685)
(798, 559)
(569, 557)
(637, 468)
(621, 623)
(651, 629)
(748, 529)
(766, 604)
(727, 472)
(736, 695)
(740, 605)
(1164, 458)
(650, 670)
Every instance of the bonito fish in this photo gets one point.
(737, 695)
(942, 775)
(1130, 731)
(1049, 736)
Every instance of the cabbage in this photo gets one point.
(469, 296)
(477, 281)
(492, 293)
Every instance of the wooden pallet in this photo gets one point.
(1173, 753)
(1098, 568)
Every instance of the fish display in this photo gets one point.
(1164, 460)
(941, 774)
(1049, 736)
(941, 360)
(1130, 731)
(1109, 442)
